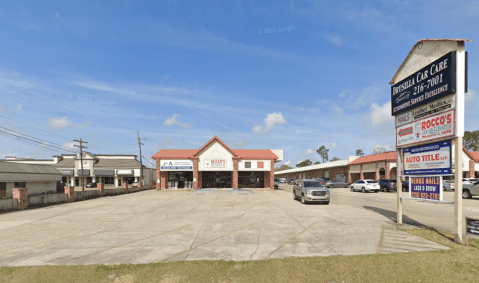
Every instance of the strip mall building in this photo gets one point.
(215, 165)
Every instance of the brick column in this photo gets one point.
(388, 168)
(158, 174)
(266, 180)
(22, 197)
(200, 180)
(235, 174)
(70, 192)
(164, 180)
(377, 171)
(361, 175)
(271, 175)
(140, 186)
(101, 188)
(195, 174)
(125, 187)
(471, 169)
(350, 179)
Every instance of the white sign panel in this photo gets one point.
(439, 105)
(432, 128)
(215, 163)
(434, 159)
(176, 165)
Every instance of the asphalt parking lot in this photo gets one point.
(226, 224)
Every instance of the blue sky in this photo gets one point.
(290, 75)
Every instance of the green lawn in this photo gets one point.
(458, 264)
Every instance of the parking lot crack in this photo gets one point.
(257, 245)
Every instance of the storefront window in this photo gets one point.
(247, 164)
(216, 179)
(180, 180)
(20, 185)
(250, 179)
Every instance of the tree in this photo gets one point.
(283, 167)
(307, 162)
(359, 152)
(323, 152)
(334, 158)
(317, 162)
(471, 140)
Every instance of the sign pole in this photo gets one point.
(460, 97)
(458, 192)
(398, 186)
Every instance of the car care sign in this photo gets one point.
(435, 80)
(432, 128)
(425, 187)
(434, 159)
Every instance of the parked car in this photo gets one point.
(470, 190)
(91, 185)
(336, 184)
(405, 185)
(276, 183)
(365, 186)
(282, 180)
(387, 185)
(310, 190)
(292, 181)
(448, 185)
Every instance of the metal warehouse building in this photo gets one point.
(215, 165)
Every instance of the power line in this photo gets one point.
(42, 143)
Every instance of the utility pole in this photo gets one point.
(81, 160)
(141, 161)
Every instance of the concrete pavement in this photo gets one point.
(153, 226)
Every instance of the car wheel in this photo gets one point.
(352, 189)
(294, 195)
(385, 189)
(303, 200)
(444, 189)
(363, 190)
(466, 194)
(376, 191)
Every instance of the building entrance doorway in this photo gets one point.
(220, 179)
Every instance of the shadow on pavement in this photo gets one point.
(392, 215)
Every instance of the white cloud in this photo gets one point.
(11, 110)
(287, 162)
(63, 123)
(343, 94)
(309, 151)
(470, 97)
(172, 121)
(333, 145)
(239, 144)
(381, 114)
(379, 149)
(337, 109)
(334, 39)
(69, 145)
(270, 122)
(166, 141)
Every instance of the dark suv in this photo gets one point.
(387, 185)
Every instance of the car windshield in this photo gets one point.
(311, 184)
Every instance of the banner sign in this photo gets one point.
(432, 128)
(175, 165)
(434, 159)
(436, 80)
(425, 187)
(439, 105)
(215, 163)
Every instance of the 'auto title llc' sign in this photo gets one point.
(432, 159)
(436, 80)
(425, 187)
